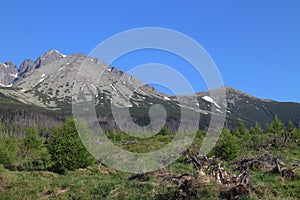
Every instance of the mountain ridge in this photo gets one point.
(53, 55)
(49, 81)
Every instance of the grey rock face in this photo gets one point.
(47, 58)
(8, 72)
(10, 75)
(49, 81)
(56, 80)
(26, 65)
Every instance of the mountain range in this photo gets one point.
(43, 88)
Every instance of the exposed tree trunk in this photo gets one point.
(287, 136)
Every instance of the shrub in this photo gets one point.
(66, 149)
(34, 150)
(8, 150)
(227, 147)
(164, 131)
(257, 136)
(277, 129)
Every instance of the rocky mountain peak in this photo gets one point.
(8, 72)
(236, 94)
(26, 66)
(11, 65)
(51, 87)
(48, 57)
(231, 94)
(29, 65)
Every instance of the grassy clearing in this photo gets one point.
(99, 182)
(90, 183)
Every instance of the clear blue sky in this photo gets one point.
(255, 43)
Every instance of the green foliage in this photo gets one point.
(2, 128)
(227, 147)
(277, 128)
(290, 127)
(242, 134)
(240, 130)
(297, 135)
(68, 153)
(32, 140)
(85, 184)
(66, 149)
(34, 150)
(257, 136)
(164, 131)
(8, 150)
(115, 136)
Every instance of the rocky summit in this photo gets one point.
(54, 81)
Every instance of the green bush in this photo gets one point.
(33, 150)
(277, 129)
(8, 150)
(66, 149)
(257, 137)
(164, 131)
(227, 147)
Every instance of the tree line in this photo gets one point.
(239, 141)
(62, 149)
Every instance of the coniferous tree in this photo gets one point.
(66, 149)
(34, 150)
(227, 147)
(242, 134)
(8, 150)
(240, 130)
(290, 131)
(297, 136)
(277, 129)
(257, 137)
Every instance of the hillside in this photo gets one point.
(48, 83)
(43, 157)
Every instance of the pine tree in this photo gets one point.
(257, 137)
(227, 147)
(240, 130)
(8, 150)
(242, 134)
(297, 135)
(290, 131)
(34, 150)
(277, 128)
(66, 149)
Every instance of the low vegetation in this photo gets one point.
(245, 164)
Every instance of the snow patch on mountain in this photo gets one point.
(14, 75)
(113, 87)
(2, 85)
(209, 99)
(4, 65)
(167, 98)
(93, 86)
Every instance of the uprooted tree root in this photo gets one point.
(284, 171)
(234, 186)
(267, 163)
(230, 186)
